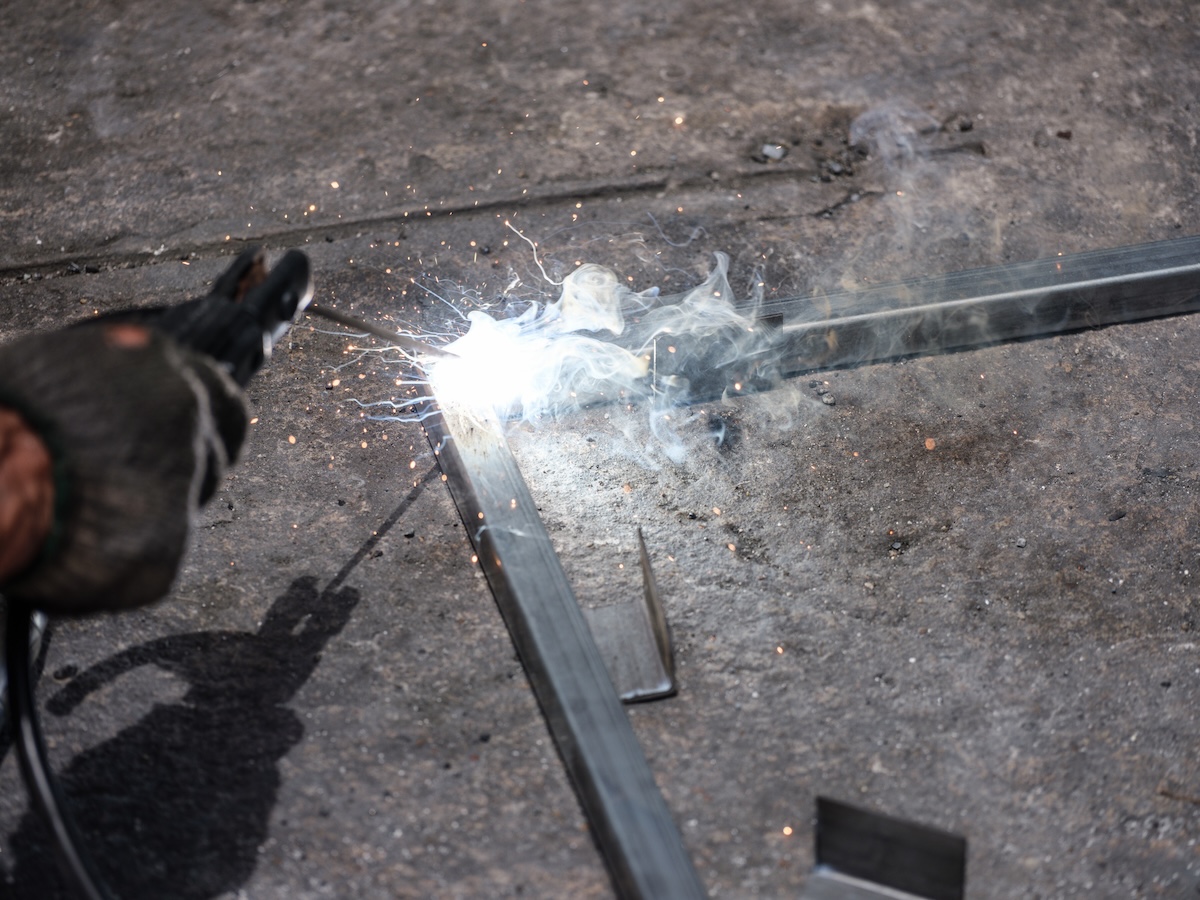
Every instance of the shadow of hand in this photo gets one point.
(177, 804)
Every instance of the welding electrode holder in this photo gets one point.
(242, 318)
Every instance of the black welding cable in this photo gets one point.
(35, 767)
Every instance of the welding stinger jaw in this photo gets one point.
(278, 302)
(246, 313)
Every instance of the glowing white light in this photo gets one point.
(558, 357)
(533, 364)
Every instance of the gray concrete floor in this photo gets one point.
(1022, 670)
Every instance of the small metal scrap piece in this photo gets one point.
(863, 855)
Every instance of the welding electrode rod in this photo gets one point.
(985, 306)
(404, 341)
(627, 815)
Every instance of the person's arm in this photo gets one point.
(26, 494)
(116, 429)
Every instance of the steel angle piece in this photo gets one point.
(864, 855)
(635, 641)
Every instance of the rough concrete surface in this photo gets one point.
(961, 594)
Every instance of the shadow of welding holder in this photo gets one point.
(635, 641)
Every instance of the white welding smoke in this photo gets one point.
(601, 342)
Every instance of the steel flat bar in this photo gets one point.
(629, 819)
(985, 306)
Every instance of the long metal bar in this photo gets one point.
(632, 825)
(988, 305)
(629, 819)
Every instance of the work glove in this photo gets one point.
(140, 426)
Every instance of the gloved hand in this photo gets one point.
(139, 428)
